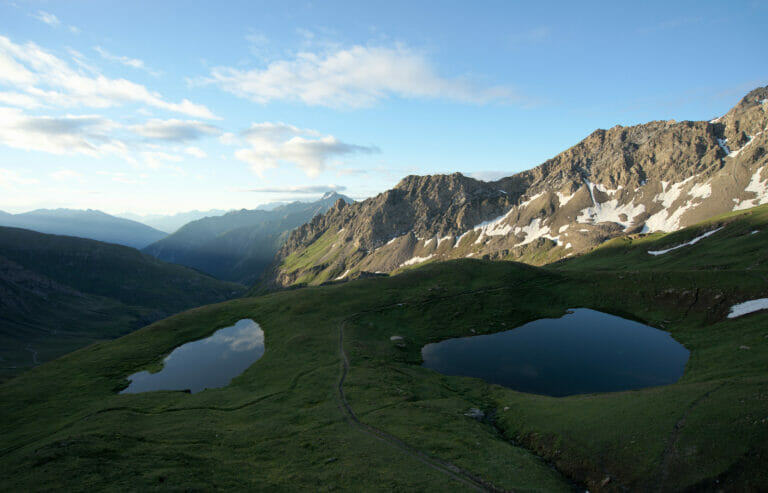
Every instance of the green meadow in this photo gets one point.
(282, 425)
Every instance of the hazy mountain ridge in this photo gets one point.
(239, 245)
(170, 223)
(90, 224)
(659, 176)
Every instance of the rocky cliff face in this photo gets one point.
(660, 176)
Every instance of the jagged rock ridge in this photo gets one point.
(659, 176)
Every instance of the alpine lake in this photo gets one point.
(582, 352)
(207, 363)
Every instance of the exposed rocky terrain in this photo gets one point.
(659, 176)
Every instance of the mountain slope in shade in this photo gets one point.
(58, 293)
(659, 176)
(239, 245)
(90, 224)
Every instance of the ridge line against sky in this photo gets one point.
(164, 108)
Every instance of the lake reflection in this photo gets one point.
(207, 363)
(582, 352)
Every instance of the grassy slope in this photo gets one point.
(279, 427)
(59, 293)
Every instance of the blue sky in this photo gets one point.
(160, 107)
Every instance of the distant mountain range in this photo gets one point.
(171, 222)
(91, 224)
(659, 176)
(58, 293)
(239, 245)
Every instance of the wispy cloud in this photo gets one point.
(195, 152)
(272, 143)
(159, 159)
(69, 134)
(300, 189)
(671, 24)
(47, 18)
(174, 130)
(124, 60)
(356, 77)
(41, 79)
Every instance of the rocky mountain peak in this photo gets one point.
(658, 176)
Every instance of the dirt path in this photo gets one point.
(669, 450)
(453, 471)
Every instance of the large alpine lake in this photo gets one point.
(207, 363)
(584, 351)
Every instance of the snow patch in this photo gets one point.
(604, 189)
(568, 245)
(748, 307)
(701, 190)
(668, 197)
(535, 230)
(563, 228)
(444, 238)
(343, 275)
(715, 120)
(723, 143)
(611, 211)
(494, 227)
(692, 242)
(759, 188)
(428, 242)
(458, 240)
(664, 221)
(751, 138)
(564, 199)
(525, 203)
(417, 260)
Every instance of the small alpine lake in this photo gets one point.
(206, 363)
(584, 351)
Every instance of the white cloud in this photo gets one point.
(47, 18)
(124, 60)
(355, 77)
(175, 130)
(229, 139)
(51, 81)
(10, 178)
(272, 143)
(196, 152)
(159, 159)
(69, 134)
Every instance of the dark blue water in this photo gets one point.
(584, 351)
(207, 363)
